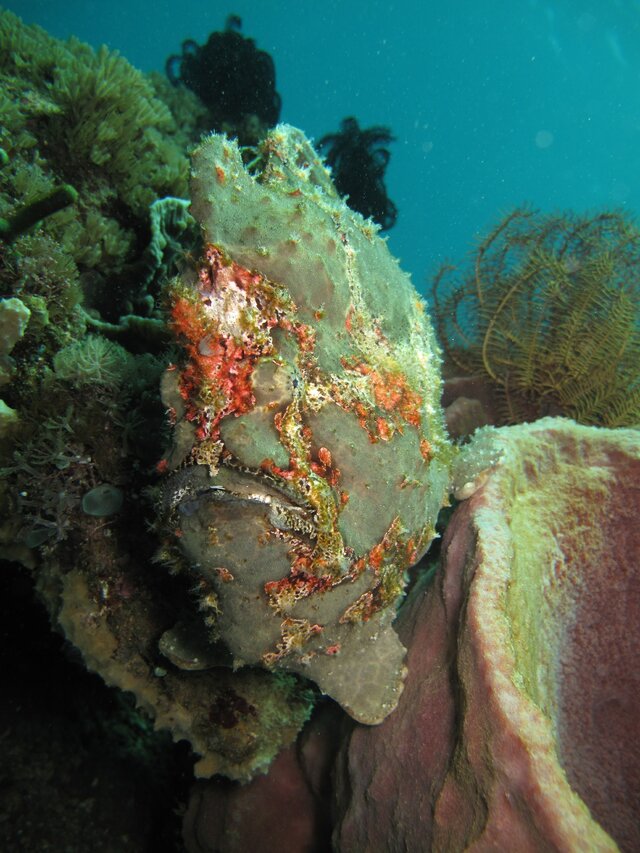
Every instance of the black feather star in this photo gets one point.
(358, 160)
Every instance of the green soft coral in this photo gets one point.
(91, 112)
(74, 115)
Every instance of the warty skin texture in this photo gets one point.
(309, 457)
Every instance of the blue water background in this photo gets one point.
(494, 103)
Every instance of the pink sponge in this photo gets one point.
(518, 727)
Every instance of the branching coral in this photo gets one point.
(549, 314)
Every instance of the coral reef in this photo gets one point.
(319, 406)
(74, 116)
(309, 457)
(549, 317)
(226, 564)
(235, 80)
(90, 116)
(81, 332)
(358, 161)
(517, 728)
(75, 513)
(69, 113)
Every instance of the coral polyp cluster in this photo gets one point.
(309, 458)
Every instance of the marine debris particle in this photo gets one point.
(309, 458)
